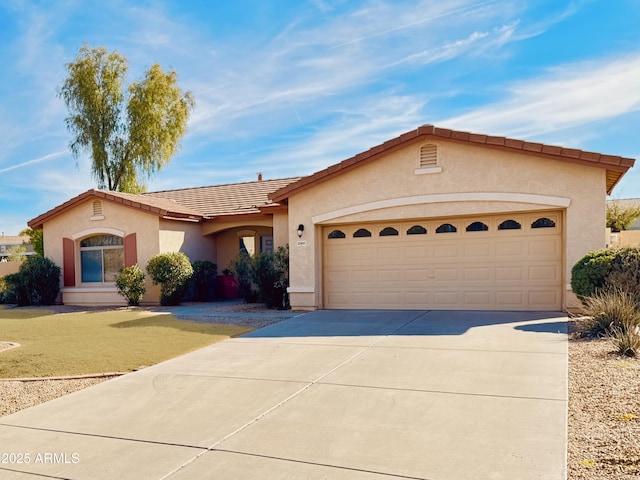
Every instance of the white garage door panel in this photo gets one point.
(494, 269)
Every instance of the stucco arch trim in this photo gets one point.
(97, 231)
(546, 200)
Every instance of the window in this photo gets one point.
(388, 232)
(509, 225)
(336, 234)
(543, 223)
(101, 258)
(361, 233)
(417, 230)
(446, 228)
(477, 227)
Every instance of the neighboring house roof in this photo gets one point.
(9, 241)
(615, 166)
(14, 239)
(191, 204)
(222, 200)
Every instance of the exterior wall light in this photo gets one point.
(300, 230)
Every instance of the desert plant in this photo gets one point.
(203, 280)
(171, 271)
(36, 283)
(612, 310)
(626, 339)
(130, 284)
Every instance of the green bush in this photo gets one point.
(202, 285)
(171, 271)
(264, 278)
(612, 267)
(36, 283)
(130, 284)
(241, 267)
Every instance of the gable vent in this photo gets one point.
(97, 208)
(428, 155)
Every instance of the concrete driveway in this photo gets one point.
(327, 395)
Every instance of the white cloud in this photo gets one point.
(44, 158)
(564, 97)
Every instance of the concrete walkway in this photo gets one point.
(326, 395)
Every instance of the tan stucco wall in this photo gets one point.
(483, 172)
(7, 268)
(77, 223)
(280, 229)
(625, 238)
(186, 237)
(228, 242)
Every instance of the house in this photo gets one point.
(432, 219)
(96, 233)
(10, 242)
(630, 236)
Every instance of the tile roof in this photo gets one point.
(221, 200)
(192, 204)
(616, 166)
(14, 239)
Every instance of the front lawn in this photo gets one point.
(97, 342)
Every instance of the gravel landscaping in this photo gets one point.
(604, 411)
(604, 401)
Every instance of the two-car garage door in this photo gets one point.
(508, 262)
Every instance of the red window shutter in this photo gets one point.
(68, 263)
(130, 250)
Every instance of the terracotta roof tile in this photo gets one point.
(230, 199)
(616, 166)
(188, 203)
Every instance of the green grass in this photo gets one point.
(96, 342)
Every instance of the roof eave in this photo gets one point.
(522, 147)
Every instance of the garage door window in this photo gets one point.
(336, 234)
(446, 228)
(417, 230)
(388, 232)
(477, 227)
(509, 225)
(543, 223)
(361, 233)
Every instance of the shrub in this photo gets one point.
(281, 259)
(590, 272)
(264, 278)
(203, 280)
(130, 284)
(612, 310)
(36, 283)
(626, 339)
(171, 271)
(612, 267)
(264, 275)
(240, 266)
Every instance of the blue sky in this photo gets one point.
(288, 87)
